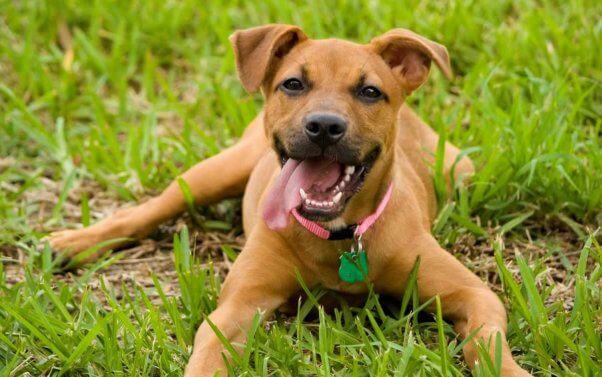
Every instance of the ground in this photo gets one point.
(101, 105)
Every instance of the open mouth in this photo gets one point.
(336, 183)
(318, 187)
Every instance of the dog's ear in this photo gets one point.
(409, 55)
(258, 51)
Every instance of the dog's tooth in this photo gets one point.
(303, 194)
(330, 204)
(349, 170)
(337, 197)
(347, 178)
(342, 185)
(307, 202)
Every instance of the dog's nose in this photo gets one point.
(325, 129)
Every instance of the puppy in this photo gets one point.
(337, 188)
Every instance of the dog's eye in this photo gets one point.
(292, 85)
(370, 93)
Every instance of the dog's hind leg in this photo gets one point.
(428, 139)
(222, 176)
(462, 167)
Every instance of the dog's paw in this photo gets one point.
(71, 242)
(81, 245)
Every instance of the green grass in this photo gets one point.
(104, 102)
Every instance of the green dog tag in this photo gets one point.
(354, 266)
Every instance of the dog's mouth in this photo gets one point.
(317, 187)
(325, 198)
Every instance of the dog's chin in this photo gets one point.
(328, 204)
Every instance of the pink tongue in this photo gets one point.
(295, 175)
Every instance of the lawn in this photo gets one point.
(102, 103)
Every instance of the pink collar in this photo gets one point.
(353, 230)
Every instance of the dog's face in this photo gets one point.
(331, 99)
(331, 104)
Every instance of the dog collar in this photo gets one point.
(351, 231)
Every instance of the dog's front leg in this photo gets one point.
(465, 299)
(261, 279)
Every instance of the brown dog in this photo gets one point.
(340, 135)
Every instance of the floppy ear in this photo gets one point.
(409, 55)
(258, 51)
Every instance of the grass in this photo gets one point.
(102, 103)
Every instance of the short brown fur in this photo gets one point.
(263, 276)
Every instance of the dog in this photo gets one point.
(338, 188)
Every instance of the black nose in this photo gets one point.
(325, 129)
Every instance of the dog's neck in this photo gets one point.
(337, 223)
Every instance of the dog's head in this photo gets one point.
(331, 105)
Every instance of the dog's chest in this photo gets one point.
(323, 259)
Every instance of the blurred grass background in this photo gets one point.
(112, 99)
